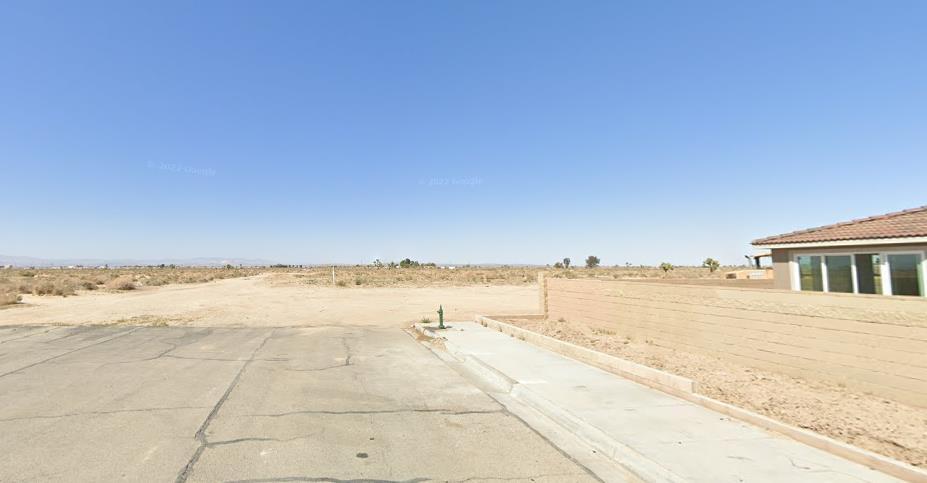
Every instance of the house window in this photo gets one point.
(869, 273)
(892, 273)
(839, 273)
(809, 272)
(905, 270)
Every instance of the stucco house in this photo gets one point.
(885, 254)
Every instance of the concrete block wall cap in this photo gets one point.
(515, 316)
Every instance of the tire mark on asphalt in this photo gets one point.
(201, 432)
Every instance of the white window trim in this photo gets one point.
(885, 269)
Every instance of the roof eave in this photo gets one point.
(841, 243)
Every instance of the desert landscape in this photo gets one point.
(398, 297)
(463, 241)
(268, 297)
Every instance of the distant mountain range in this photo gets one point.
(123, 262)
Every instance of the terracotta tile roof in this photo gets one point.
(901, 224)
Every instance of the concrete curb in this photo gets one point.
(631, 370)
(644, 468)
(640, 466)
(875, 461)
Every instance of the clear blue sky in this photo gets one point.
(467, 131)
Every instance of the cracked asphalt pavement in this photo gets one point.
(333, 403)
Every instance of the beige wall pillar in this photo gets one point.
(782, 278)
(542, 294)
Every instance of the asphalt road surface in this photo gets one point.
(211, 404)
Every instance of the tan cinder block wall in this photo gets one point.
(870, 343)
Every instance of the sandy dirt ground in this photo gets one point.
(272, 300)
(880, 425)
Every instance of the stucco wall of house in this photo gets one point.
(780, 261)
(782, 256)
(866, 342)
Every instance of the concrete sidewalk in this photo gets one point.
(655, 435)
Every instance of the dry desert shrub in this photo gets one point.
(122, 282)
(61, 287)
(68, 281)
(9, 298)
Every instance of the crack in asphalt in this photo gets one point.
(328, 479)
(347, 351)
(212, 444)
(4, 341)
(449, 412)
(331, 479)
(121, 334)
(511, 478)
(201, 432)
(181, 340)
(347, 359)
(100, 413)
(175, 356)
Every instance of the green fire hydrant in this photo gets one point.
(440, 316)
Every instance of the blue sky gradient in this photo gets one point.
(465, 132)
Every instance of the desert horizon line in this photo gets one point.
(22, 261)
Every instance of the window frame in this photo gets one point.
(885, 269)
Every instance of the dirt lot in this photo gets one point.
(268, 300)
(870, 422)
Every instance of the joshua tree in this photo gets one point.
(666, 267)
(592, 261)
(711, 264)
(566, 262)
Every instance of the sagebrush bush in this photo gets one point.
(43, 288)
(9, 298)
(122, 282)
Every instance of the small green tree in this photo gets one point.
(592, 261)
(566, 262)
(558, 265)
(711, 264)
(666, 267)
